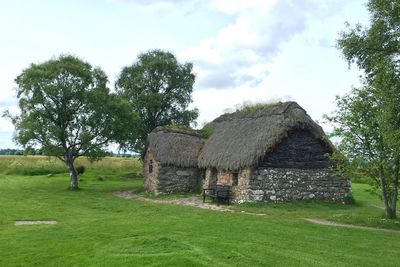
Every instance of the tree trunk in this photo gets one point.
(395, 185)
(72, 173)
(384, 191)
(389, 195)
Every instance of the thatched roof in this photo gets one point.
(241, 139)
(174, 146)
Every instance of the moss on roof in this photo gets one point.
(250, 108)
(205, 132)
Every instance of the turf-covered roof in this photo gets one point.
(175, 146)
(242, 138)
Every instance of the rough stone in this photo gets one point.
(280, 184)
(183, 173)
(164, 179)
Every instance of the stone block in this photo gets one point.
(183, 173)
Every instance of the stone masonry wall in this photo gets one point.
(300, 150)
(288, 184)
(150, 178)
(239, 192)
(169, 179)
(173, 179)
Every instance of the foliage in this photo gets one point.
(11, 151)
(367, 119)
(67, 110)
(159, 90)
(80, 169)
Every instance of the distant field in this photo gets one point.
(96, 228)
(36, 165)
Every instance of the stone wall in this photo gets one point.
(172, 179)
(239, 192)
(288, 184)
(150, 178)
(169, 179)
(300, 150)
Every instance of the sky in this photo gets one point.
(243, 51)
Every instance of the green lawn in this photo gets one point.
(96, 228)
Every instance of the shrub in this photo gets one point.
(80, 169)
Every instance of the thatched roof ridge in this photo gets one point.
(241, 139)
(178, 129)
(175, 146)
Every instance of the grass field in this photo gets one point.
(96, 228)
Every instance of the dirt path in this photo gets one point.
(189, 201)
(34, 222)
(378, 207)
(329, 223)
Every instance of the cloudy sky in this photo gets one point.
(242, 50)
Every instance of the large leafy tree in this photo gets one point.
(368, 119)
(360, 124)
(67, 110)
(159, 89)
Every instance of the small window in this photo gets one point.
(235, 178)
(150, 166)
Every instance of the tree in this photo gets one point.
(359, 123)
(159, 90)
(66, 108)
(368, 118)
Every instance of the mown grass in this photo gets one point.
(95, 228)
(366, 211)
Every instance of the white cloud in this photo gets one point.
(160, 6)
(237, 6)
(151, 2)
(241, 51)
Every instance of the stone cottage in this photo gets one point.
(276, 153)
(170, 162)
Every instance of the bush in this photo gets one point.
(80, 169)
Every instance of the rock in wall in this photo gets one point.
(288, 184)
(172, 179)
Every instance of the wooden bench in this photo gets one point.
(218, 193)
